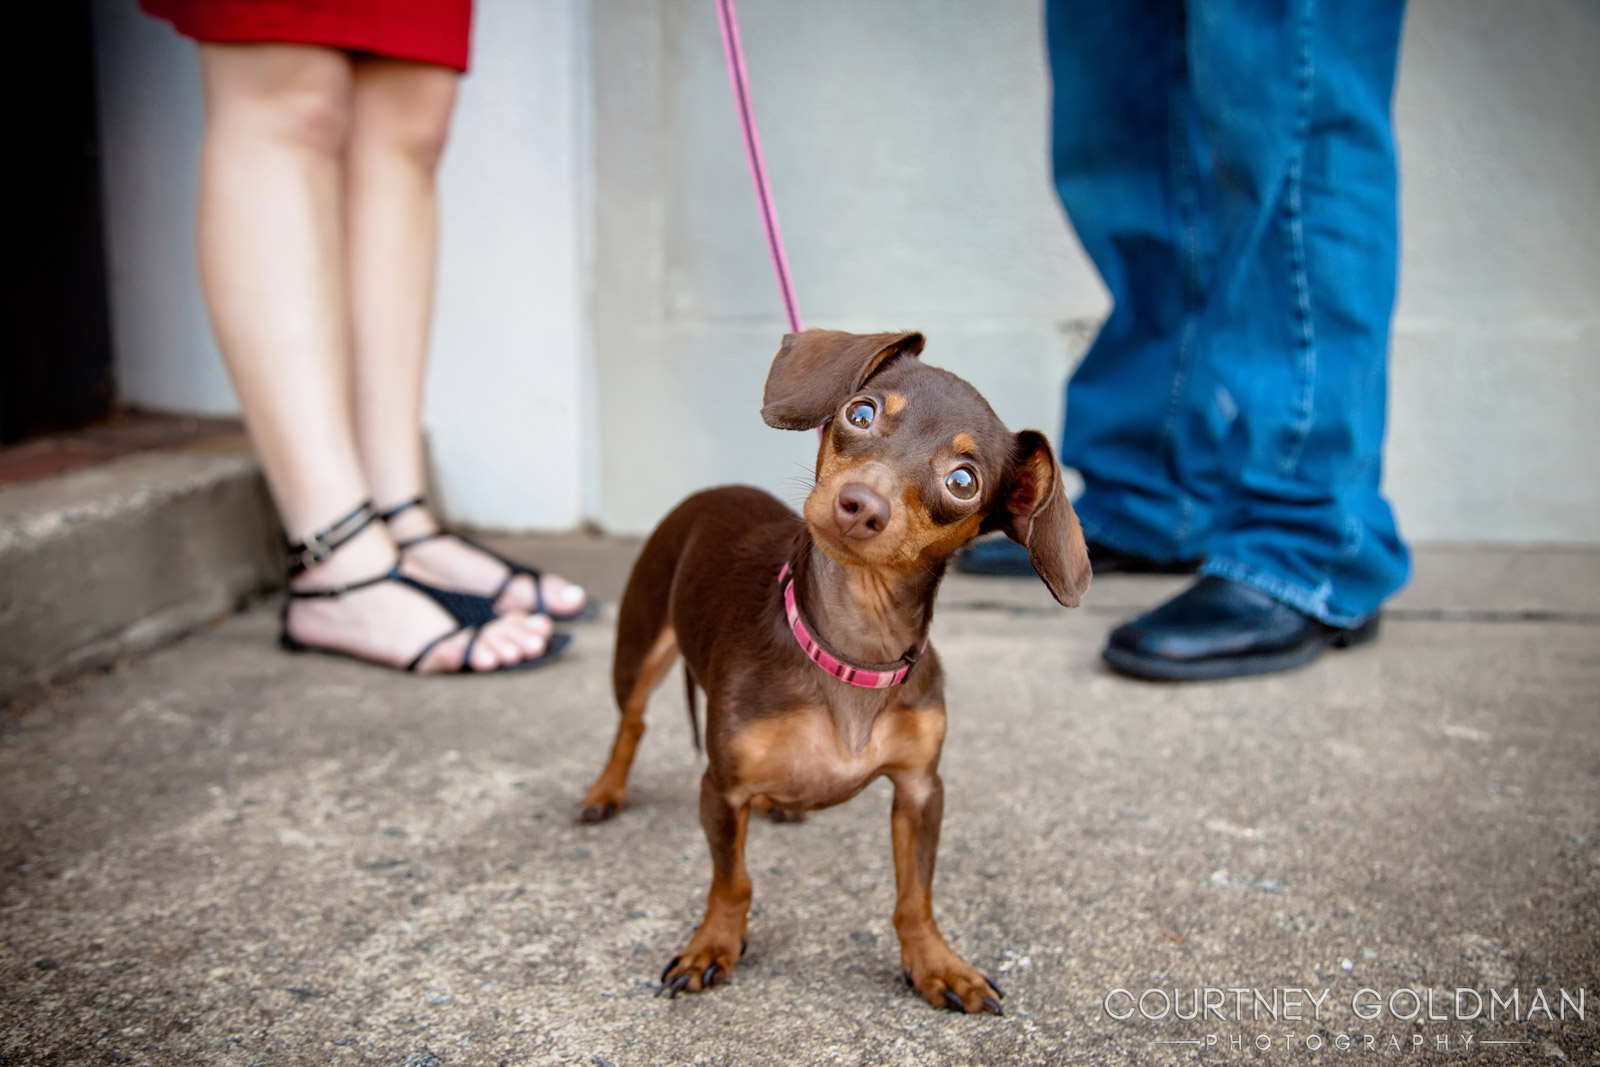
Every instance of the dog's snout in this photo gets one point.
(860, 511)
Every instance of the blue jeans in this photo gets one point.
(1230, 169)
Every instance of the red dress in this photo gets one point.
(425, 31)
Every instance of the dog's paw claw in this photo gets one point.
(596, 812)
(945, 980)
(1001, 993)
(705, 963)
(599, 806)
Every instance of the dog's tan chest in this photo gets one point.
(800, 760)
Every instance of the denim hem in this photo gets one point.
(1312, 602)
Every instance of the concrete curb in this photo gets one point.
(114, 559)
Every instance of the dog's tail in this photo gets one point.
(689, 692)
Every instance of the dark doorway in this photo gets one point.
(55, 368)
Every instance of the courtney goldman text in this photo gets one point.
(1235, 1004)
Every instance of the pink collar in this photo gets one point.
(867, 677)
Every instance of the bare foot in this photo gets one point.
(461, 566)
(389, 622)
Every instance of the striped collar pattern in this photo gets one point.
(866, 677)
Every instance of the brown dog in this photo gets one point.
(810, 638)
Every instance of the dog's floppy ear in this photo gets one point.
(1033, 511)
(817, 370)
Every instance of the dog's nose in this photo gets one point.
(860, 511)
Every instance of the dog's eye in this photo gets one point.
(861, 413)
(962, 483)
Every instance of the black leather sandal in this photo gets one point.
(469, 610)
(589, 610)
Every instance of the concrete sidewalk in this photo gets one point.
(222, 854)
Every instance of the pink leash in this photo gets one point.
(729, 21)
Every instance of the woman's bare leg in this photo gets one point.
(271, 265)
(271, 262)
(400, 118)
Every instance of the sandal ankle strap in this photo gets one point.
(319, 545)
(388, 514)
(392, 574)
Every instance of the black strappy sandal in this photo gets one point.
(469, 610)
(589, 610)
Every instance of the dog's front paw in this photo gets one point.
(945, 980)
(707, 961)
(601, 803)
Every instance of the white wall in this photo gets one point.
(510, 399)
(1493, 434)
(908, 159)
(907, 145)
(150, 119)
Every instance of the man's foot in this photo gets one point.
(458, 564)
(1222, 629)
(389, 622)
(1000, 556)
